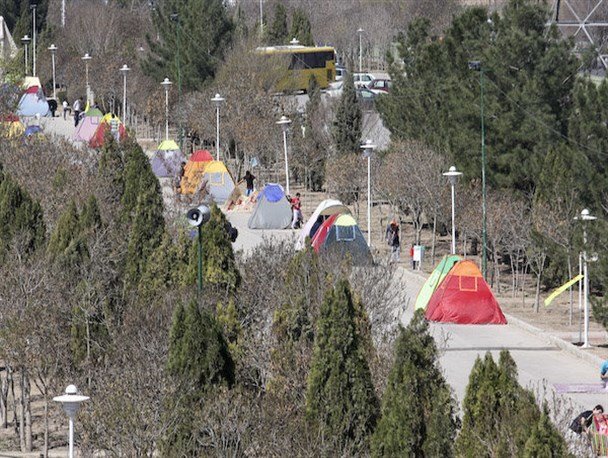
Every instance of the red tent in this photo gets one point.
(464, 297)
(321, 234)
(98, 138)
(201, 155)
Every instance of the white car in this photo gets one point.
(335, 89)
(362, 79)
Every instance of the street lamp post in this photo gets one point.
(26, 40)
(53, 50)
(453, 175)
(33, 8)
(360, 32)
(584, 217)
(368, 149)
(71, 401)
(86, 58)
(284, 123)
(124, 70)
(217, 100)
(62, 14)
(477, 66)
(261, 18)
(166, 84)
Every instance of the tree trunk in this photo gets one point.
(21, 421)
(537, 293)
(27, 386)
(571, 292)
(46, 427)
(513, 273)
(4, 383)
(523, 285)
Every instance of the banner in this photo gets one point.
(562, 288)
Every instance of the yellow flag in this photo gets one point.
(562, 288)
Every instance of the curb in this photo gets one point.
(558, 342)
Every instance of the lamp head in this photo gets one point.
(284, 122)
(218, 100)
(86, 57)
(53, 48)
(26, 39)
(125, 68)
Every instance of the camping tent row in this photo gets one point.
(213, 176)
(456, 292)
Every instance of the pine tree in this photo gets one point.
(161, 271)
(277, 34)
(176, 354)
(340, 396)
(198, 25)
(219, 266)
(137, 178)
(110, 176)
(300, 28)
(19, 216)
(67, 246)
(418, 411)
(545, 441)
(348, 121)
(90, 216)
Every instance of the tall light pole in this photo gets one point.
(584, 217)
(261, 18)
(284, 123)
(368, 148)
(33, 8)
(217, 100)
(26, 41)
(53, 50)
(124, 70)
(477, 66)
(62, 14)
(360, 32)
(70, 402)
(87, 58)
(453, 175)
(166, 84)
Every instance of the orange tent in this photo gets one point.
(464, 297)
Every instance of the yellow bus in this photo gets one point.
(302, 62)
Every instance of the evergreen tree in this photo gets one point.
(340, 396)
(20, 216)
(186, 27)
(67, 246)
(137, 178)
(110, 176)
(145, 234)
(161, 271)
(219, 266)
(90, 216)
(314, 149)
(348, 120)
(277, 34)
(545, 441)
(418, 411)
(300, 28)
(198, 352)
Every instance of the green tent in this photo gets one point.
(435, 279)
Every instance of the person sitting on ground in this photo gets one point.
(583, 421)
(604, 373)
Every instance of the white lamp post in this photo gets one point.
(585, 216)
(86, 58)
(453, 178)
(368, 149)
(62, 14)
(217, 100)
(261, 18)
(124, 70)
(360, 32)
(71, 401)
(166, 84)
(26, 41)
(284, 123)
(53, 50)
(33, 8)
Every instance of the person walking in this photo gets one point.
(296, 208)
(77, 111)
(66, 108)
(392, 237)
(249, 178)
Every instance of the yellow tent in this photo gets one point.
(11, 127)
(210, 175)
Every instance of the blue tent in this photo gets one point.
(32, 130)
(33, 102)
(272, 211)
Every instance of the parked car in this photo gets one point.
(362, 79)
(340, 72)
(335, 89)
(380, 86)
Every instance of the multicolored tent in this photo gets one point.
(88, 125)
(325, 209)
(194, 171)
(167, 160)
(340, 237)
(435, 279)
(11, 126)
(104, 128)
(214, 178)
(272, 210)
(464, 297)
(33, 102)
